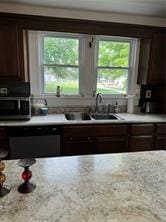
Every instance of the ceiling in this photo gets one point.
(139, 7)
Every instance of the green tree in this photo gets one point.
(61, 51)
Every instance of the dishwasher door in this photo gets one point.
(34, 142)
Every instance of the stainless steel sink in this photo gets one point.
(104, 116)
(77, 116)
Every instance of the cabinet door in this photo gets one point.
(161, 136)
(152, 59)
(157, 60)
(76, 146)
(141, 137)
(141, 143)
(11, 46)
(111, 144)
(161, 142)
(4, 141)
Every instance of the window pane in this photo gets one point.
(65, 77)
(112, 81)
(113, 53)
(61, 51)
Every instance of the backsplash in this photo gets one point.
(55, 105)
(85, 109)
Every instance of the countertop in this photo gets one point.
(59, 119)
(128, 187)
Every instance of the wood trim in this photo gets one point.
(45, 23)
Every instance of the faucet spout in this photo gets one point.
(98, 100)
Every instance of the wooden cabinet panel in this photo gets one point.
(95, 130)
(152, 59)
(157, 59)
(161, 142)
(141, 137)
(11, 51)
(161, 136)
(161, 129)
(111, 144)
(88, 139)
(79, 146)
(142, 129)
(4, 141)
(141, 143)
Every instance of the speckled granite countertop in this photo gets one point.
(59, 119)
(128, 187)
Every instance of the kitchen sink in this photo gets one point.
(104, 116)
(77, 116)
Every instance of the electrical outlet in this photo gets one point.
(148, 94)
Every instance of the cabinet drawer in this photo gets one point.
(142, 129)
(161, 129)
(141, 143)
(95, 131)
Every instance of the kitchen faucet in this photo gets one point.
(98, 100)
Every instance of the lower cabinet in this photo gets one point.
(88, 139)
(160, 136)
(111, 144)
(142, 137)
(79, 146)
(3, 141)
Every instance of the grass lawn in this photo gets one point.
(72, 88)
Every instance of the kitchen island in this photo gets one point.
(128, 187)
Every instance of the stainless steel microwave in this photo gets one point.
(15, 108)
(15, 100)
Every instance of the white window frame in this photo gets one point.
(87, 61)
(130, 68)
(80, 38)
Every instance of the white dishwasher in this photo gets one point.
(34, 141)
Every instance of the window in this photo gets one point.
(82, 64)
(113, 65)
(60, 63)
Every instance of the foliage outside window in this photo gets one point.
(61, 64)
(113, 65)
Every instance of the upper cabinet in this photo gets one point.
(11, 51)
(152, 59)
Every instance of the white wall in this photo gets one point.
(82, 14)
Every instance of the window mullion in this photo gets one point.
(61, 65)
(113, 67)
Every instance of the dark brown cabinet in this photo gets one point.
(77, 140)
(161, 136)
(141, 137)
(152, 59)
(11, 51)
(3, 141)
(95, 139)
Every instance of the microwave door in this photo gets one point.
(9, 107)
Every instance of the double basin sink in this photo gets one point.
(92, 116)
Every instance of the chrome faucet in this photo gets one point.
(98, 100)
